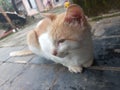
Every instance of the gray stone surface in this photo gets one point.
(40, 60)
(107, 27)
(106, 41)
(9, 71)
(89, 80)
(36, 77)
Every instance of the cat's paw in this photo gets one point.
(75, 69)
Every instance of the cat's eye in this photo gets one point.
(61, 40)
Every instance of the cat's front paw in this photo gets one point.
(75, 69)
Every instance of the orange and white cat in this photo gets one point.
(64, 39)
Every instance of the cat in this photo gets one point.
(64, 38)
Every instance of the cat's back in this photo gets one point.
(42, 26)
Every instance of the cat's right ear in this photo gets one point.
(49, 15)
(74, 13)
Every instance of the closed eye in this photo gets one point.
(61, 41)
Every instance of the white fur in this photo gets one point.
(78, 52)
(47, 47)
(45, 43)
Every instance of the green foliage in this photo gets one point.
(6, 5)
(98, 7)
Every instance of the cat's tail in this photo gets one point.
(20, 53)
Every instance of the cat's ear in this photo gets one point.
(74, 13)
(49, 15)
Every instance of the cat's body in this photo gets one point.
(64, 39)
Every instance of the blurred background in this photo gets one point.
(24, 12)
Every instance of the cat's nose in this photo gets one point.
(54, 53)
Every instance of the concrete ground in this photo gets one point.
(35, 73)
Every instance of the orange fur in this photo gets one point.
(62, 30)
(42, 27)
(32, 38)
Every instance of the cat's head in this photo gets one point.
(67, 30)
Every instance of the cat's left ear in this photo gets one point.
(49, 15)
(74, 13)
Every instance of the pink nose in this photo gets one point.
(54, 52)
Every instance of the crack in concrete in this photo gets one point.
(19, 74)
(55, 79)
(11, 81)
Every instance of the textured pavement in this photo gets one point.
(35, 73)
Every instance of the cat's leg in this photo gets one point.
(33, 43)
(64, 62)
(56, 59)
(88, 63)
(77, 68)
(72, 64)
(71, 68)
